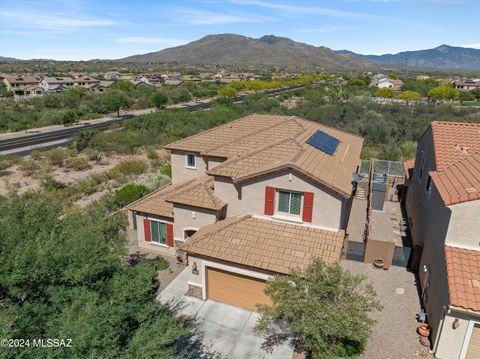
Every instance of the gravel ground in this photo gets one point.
(394, 335)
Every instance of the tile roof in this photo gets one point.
(460, 182)
(195, 192)
(265, 244)
(408, 166)
(463, 271)
(334, 171)
(454, 141)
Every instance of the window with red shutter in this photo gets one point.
(170, 235)
(146, 227)
(269, 200)
(307, 206)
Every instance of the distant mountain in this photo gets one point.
(441, 57)
(237, 49)
(8, 59)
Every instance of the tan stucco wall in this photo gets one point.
(151, 246)
(452, 340)
(418, 204)
(180, 172)
(464, 226)
(184, 219)
(213, 162)
(330, 211)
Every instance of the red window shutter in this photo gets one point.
(269, 200)
(170, 235)
(307, 206)
(146, 227)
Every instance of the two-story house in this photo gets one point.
(443, 207)
(258, 196)
(23, 86)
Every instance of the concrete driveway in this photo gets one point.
(225, 331)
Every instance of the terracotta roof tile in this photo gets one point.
(463, 272)
(265, 244)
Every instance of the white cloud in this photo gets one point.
(475, 46)
(56, 21)
(150, 40)
(316, 10)
(200, 17)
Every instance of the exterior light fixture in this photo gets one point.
(456, 323)
(194, 268)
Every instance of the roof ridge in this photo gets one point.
(200, 181)
(234, 220)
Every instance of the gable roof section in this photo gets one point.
(463, 272)
(265, 244)
(195, 192)
(454, 141)
(460, 182)
(334, 171)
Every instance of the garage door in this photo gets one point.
(235, 289)
(473, 351)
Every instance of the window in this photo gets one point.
(290, 202)
(191, 161)
(158, 232)
(429, 185)
(422, 168)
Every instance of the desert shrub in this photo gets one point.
(36, 155)
(130, 167)
(95, 156)
(159, 263)
(129, 193)
(152, 153)
(4, 164)
(58, 156)
(29, 166)
(77, 163)
(155, 180)
(167, 170)
(49, 183)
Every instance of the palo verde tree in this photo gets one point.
(115, 100)
(324, 309)
(158, 99)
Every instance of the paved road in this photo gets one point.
(23, 144)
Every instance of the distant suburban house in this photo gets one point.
(466, 84)
(101, 86)
(86, 81)
(395, 85)
(251, 199)
(57, 84)
(23, 86)
(443, 207)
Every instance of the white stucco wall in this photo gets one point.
(149, 245)
(329, 209)
(180, 172)
(464, 226)
(452, 341)
(184, 219)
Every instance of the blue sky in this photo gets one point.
(109, 29)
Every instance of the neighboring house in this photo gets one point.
(57, 84)
(443, 207)
(86, 81)
(395, 85)
(250, 199)
(102, 86)
(466, 84)
(23, 86)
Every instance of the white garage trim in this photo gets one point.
(466, 340)
(228, 268)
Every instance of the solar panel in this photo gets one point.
(324, 142)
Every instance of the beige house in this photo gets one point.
(250, 199)
(443, 206)
(23, 86)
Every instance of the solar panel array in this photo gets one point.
(324, 142)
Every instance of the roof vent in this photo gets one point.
(475, 283)
(471, 190)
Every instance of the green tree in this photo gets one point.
(69, 117)
(409, 96)
(324, 308)
(129, 193)
(384, 92)
(66, 279)
(115, 100)
(393, 76)
(124, 85)
(158, 99)
(476, 93)
(466, 96)
(444, 92)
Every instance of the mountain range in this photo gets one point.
(441, 57)
(243, 50)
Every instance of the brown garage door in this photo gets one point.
(235, 289)
(474, 344)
